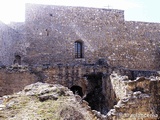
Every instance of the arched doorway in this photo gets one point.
(17, 59)
(77, 90)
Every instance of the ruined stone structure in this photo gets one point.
(50, 33)
(90, 51)
(106, 89)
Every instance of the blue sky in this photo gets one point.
(148, 10)
(135, 10)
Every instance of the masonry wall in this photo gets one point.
(143, 47)
(49, 33)
(53, 30)
(8, 40)
(16, 77)
(136, 48)
(14, 80)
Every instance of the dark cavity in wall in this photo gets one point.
(77, 90)
(138, 89)
(95, 96)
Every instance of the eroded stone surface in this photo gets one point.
(124, 98)
(138, 99)
(28, 104)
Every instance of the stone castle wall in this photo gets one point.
(12, 43)
(143, 46)
(46, 41)
(104, 32)
(49, 33)
(8, 39)
(138, 48)
(56, 28)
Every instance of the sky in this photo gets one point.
(134, 10)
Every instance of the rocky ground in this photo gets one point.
(42, 101)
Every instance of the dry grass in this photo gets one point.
(30, 108)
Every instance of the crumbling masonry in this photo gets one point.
(112, 63)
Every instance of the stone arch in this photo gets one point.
(17, 59)
(77, 90)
